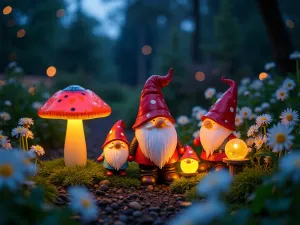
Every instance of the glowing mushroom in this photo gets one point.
(189, 162)
(75, 104)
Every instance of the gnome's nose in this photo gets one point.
(188, 161)
(117, 145)
(160, 123)
(208, 124)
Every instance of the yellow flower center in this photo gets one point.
(86, 203)
(289, 117)
(280, 138)
(1, 136)
(6, 170)
(259, 142)
(245, 113)
(289, 85)
(281, 94)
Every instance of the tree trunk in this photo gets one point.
(281, 43)
(196, 35)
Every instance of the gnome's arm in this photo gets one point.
(197, 141)
(180, 148)
(132, 149)
(101, 157)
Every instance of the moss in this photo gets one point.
(191, 195)
(245, 183)
(184, 184)
(49, 189)
(56, 173)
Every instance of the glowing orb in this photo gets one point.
(236, 149)
(189, 165)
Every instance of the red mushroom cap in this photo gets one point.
(189, 153)
(74, 102)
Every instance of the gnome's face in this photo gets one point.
(212, 135)
(116, 153)
(157, 139)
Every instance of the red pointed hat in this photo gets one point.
(152, 102)
(224, 110)
(116, 133)
(189, 153)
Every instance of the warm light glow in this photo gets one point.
(7, 10)
(189, 165)
(2, 83)
(236, 149)
(75, 146)
(21, 33)
(199, 76)
(60, 13)
(146, 50)
(263, 76)
(290, 24)
(31, 90)
(51, 71)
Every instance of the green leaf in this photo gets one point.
(261, 195)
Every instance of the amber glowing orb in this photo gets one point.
(236, 149)
(189, 165)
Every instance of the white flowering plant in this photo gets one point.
(19, 99)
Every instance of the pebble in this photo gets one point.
(135, 205)
(155, 209)
(184, 204)
(103, 187)
(106, 182)
(132, 188)
(128, 212)
(137, 213)
(108, 210)
(150, 188)
(123, 218)
(158, 222)
(119, 223)
(133, 196)
(147, 220)
(170, 208)
(153, 214)
(120, 191)
(100, 193)
(114, 206)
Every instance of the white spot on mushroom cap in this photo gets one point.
(122, 134)
(148, 115)
(231, 109)
(118, 126)
(226, 121)
(190, 151)
(110, 132)
(153, 102)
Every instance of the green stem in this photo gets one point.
(20, 142)
(265, 130)
(279, 156)
(23, 144)
(297, 72)
(26, 142)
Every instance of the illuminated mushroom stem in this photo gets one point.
(75, 147)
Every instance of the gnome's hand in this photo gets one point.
(197, 141)
(181, 150)
(130, 158)
(100, 158)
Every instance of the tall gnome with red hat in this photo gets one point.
(115, 150)
(217, 127)
(155, 146)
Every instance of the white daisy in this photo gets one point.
(7, 145)
(253, 116)
(289, 84)
(270, 65)
(265, 105)
(295, 55)
(196, 134)
(281, 94)
(253, 130)
(5, 116)
(268, 160)
(27, 122)
(289, 117)
(271, 82)
(260, 140)
(256, 94)
(245, 112)
(200, 113)
(241, 90)
(7, 103)
(21, 132)
(273, 100)
(219, 181)
(83, 202)
(264, 119)
(12, 64)
(257, 109)
(46, 95)
(238, 120)
(256, 84)
(279, 137)
(250, 142)
(245, 81)
(39, 150)
(18, 70)
(209, 93)
(237, 134)
(290, 165)
(183, 120)
(200, 123)
(246, 93)
(37, 105)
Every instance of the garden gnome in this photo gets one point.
(155, 146)
(115, 150)
(216, 130)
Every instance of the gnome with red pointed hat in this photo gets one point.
(217, 127)
(115, 150)
(155, 146)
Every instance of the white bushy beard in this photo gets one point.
(211, 139)
(116, 157)
(157, 144)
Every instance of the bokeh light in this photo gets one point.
(199, 76)
(60, 13)
(290, 24)
(31, 90)
(146, 50)
(21, 33)
(7, 10)
(12, 56)
(11, 23)
(263, 76)
(2, 83)
(51, 71)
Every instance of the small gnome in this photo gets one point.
(155, 146)
(216, 130)
(189, 162)
(115, 150)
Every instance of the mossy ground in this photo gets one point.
(56, 173)
(184, 184)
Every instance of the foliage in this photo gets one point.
(49, 189)
(22, 100)
(184, 184)
(57, 173)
